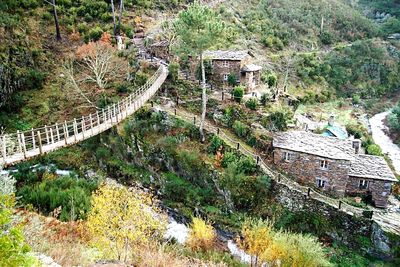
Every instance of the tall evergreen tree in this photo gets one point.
(199, 28)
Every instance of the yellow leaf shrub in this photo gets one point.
(278, 248)
(121, 221)
(201, 236)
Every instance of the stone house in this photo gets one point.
(160, 50)
(233, 63)
(333, 165)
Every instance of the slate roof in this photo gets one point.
(226, 54)
(374, 167)
(160, 43)
(251, 67)
(315, 144)
(363, 166)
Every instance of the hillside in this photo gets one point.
(193, 177)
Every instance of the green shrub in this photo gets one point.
(247, 165)
(95, 33)
(357, 130)
(394, 118)
(47, 16)
(71, 194)
(173, 70)
(240, 129)
(215, 144)
(34, 79)
(229, 157)
(83, 28)
(264, 99)
(356, 99)
(238, 93)
(327, 38)
(374, 149)
(252, 103)
(232, 79)
(278, 119)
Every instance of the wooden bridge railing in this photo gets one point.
(23, 145)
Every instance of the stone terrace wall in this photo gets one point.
(347, 229)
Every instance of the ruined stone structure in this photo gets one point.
(233, 63)
(160, 50)
(333, 165)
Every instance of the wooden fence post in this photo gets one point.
(308, 192)
(340, 204)
(218, 131)
(23, 144)
(91, 123)
(65, 126)
(115, 112)
(58, 132)
(33, 139)
(238, 146)
(194, 120)
(83, 127)
(51, 135)
(19, 142)
(75, 129)
(258, 160)
(98, 118)
(40, 143)
(4, 149)
(47, 134)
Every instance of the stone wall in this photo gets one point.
(376, 188)
(160, 52)
(219, 70)
(307, 168)
(344, 228)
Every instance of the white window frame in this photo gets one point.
(225, 63)
(321, 183)
(363, 184)
(323, 164)
(288, 156)
(387, 186)
(225, 77)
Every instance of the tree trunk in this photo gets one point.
(322, 25)
(121, 6)
(113, 15)
(204, 98)
(58, 33)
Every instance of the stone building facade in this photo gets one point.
(333, 165)
(160, 50)
(233, 63)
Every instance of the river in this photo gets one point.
(380, 137)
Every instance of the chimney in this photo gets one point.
(356, 145)
(331, 120)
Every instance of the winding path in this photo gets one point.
(383, 140)
(21, 146)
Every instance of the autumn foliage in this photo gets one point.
(122, 221)
(278, 248)
(202, 235)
